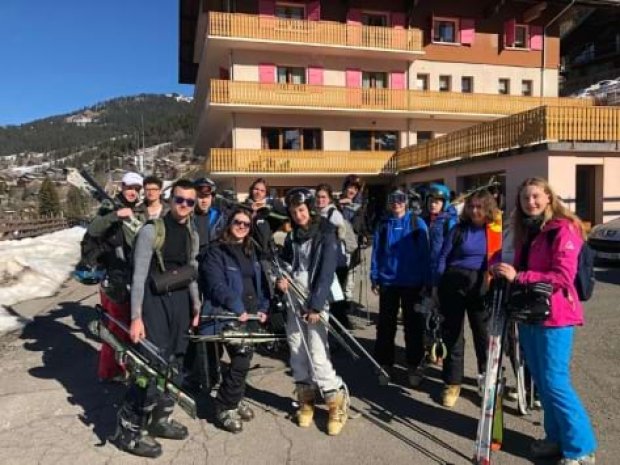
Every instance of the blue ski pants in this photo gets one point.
(547, 354)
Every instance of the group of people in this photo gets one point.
(191, 261)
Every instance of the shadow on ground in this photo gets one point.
(72, 361)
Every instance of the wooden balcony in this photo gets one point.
(317, 33)
(387, 100)
(296, 162)
(540, 125)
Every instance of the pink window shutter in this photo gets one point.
(315, 75)
(266, 7)
(354, 16)
(468, 31)
(314, 10)
(398, 20)
(397, 80)
(536, 37)
(509, 33)
(267, 73)
(354, 78)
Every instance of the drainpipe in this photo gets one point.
(544, 54)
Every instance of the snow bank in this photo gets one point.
(35, 267)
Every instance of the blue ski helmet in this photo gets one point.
(438, 191)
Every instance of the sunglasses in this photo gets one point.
(241, 224)
(182, 200)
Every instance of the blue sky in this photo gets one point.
(57, 56)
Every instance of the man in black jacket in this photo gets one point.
(312, 250)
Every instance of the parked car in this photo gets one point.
(605, 240)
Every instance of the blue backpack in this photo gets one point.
(584, 279)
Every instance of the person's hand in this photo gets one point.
(136, 330)
(312, 318)
(243, 317)
(262, 317)
(195, 320)
(504, 270)
(124, 213)
(282, 284)
(375, 289)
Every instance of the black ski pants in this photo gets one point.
(232, 389)
(460, 292)
(390, 299)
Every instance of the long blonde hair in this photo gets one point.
(555, 210)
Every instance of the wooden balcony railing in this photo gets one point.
(332, 97)
(543, 124)
(297, 161)
(237, 25)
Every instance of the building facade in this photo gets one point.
(302, 92)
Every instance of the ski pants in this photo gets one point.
(311, 365)
(107, 367)
(232, 389)
(547, 353)
(460, 293)
(390, 299)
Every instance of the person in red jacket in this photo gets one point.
(547, 240)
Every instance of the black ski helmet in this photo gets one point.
(299, 195)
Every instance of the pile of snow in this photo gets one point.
(36, 267)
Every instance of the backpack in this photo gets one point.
(350, 238)
(160, 238)
(584, 279)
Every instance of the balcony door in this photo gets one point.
(372, 81)
(291, 75)
(288, 11)
(291, 138)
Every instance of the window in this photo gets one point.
(424, 136)
(467, 84)
(374, 19)
(291, 75)
(445, 83)
(504, 86)
(527, 88)
(520, 36)
(290, 11)
(291, 139)
(374, 140)
(374, 80)
(444, 30)
(421, 82)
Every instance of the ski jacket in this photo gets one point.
(209, 226)
(555, 262)
(400, 253)
(221, 282)
(324, 255)
(438, 231)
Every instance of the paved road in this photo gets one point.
(54, 411)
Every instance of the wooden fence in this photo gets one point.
(22, 228)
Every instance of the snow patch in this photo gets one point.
(35, 267)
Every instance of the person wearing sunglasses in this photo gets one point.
(164, 305)
(208, 219)
(399, 271)
(116, 239)
(312, 251)
(233, 282)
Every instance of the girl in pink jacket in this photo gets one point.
(548, 239)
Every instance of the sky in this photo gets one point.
(57, 56)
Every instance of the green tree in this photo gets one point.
(49, 203)
(77, 206)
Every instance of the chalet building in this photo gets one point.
(301, 92)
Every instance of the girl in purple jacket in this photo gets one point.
(547, 240)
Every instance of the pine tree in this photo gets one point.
(77, 204)
(49, 203)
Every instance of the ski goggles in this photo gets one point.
(299, 196)
(397, 197)
(182, 200)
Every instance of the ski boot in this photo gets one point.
(245, 411)
(131, 437)
(230, 421)
(161, 426)
(305, 397)
(338, 404)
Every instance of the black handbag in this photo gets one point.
(172, 280)
(530, 303)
